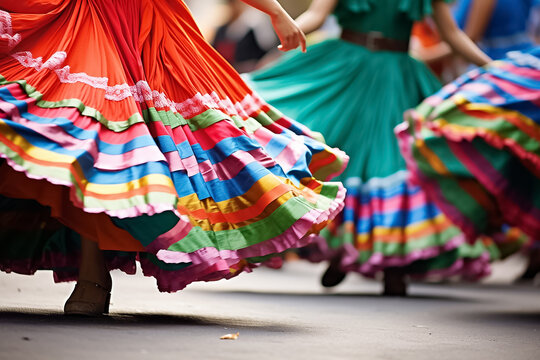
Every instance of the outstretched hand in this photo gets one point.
(288, 32)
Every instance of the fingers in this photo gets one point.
(303, 42)
(292, 41)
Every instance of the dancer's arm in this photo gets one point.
(287, 30)
(457, 39)
(315, 15)
(479, 14)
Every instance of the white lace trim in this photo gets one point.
(141, 91)
(6, 31)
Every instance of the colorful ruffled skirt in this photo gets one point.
(355, 98)
(119, 123)
(475, 146)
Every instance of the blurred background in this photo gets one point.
(244, 36)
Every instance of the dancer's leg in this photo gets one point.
(91, 295)
(395, 282)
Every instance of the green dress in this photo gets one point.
(355, 97)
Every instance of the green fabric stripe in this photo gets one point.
(498, 125)
(272, 226)
(168, 118)
(449, 186)
(146, 228)
(393, 249)
(449, 258)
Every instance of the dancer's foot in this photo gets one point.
(395, 283)
(92, 293)
(333, 275)
(88, 299)
(533, 266)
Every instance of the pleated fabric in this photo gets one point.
(355, 97)
(118, 122)
(475, 146)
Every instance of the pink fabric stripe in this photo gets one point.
(224, 170)
(484, 90)
(515, 90)
(523, 71)
(381, 205)
(207, 171)
(128, 159)
(263, 136)
(179, 231)
(434, 100)
(288, 157)
(174, 161)
(189, 164)
(516, 209)
(232, 165)
(171, 281)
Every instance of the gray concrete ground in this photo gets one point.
(281, 314)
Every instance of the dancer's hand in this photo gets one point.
(288, 32)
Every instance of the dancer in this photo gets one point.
(121, 129)
(498, 26)
(354, 91)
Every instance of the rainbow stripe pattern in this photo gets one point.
(391, 222)
(475, 146)
(158, 151)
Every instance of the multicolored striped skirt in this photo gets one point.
(119, 123)
(475, 146)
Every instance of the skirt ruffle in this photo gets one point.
(475, 146)
(390, 222)
(130, 130)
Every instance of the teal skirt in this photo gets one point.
(355, 98)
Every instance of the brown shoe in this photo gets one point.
(88, 299)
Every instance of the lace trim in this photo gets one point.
(6, 31)
(141, 91)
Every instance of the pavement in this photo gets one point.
(279, 314)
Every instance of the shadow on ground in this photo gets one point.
(337, 295)
(501, 318)
(25, 317)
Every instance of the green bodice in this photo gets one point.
(393, 18)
